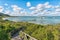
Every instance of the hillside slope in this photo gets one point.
(2, 14)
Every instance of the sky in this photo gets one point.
(30, 7)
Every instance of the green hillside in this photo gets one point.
(2, 14)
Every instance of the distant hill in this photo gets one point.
(2, 14)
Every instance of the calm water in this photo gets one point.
(38, 20)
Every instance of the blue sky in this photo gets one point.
(22, 3)
(26, 6)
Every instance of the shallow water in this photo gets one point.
(36, 19)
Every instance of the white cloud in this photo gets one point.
(16, 8)
(18, 11)
(46, 3)
(24, 13)
(57, 6)
(7, 12)
(48, 6)
(45, 9)
(28, 4)
(32, 8)
(38, 10)
(39, 6)
(58, 10)
(1, 8)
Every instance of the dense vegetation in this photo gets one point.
(40, 32)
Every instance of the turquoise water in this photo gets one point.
(35, 19)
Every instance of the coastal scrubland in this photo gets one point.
(38, 31)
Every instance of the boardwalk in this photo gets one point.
(16, 36)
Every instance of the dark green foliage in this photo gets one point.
(4, 35)
(50, 35)
(2, 27)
